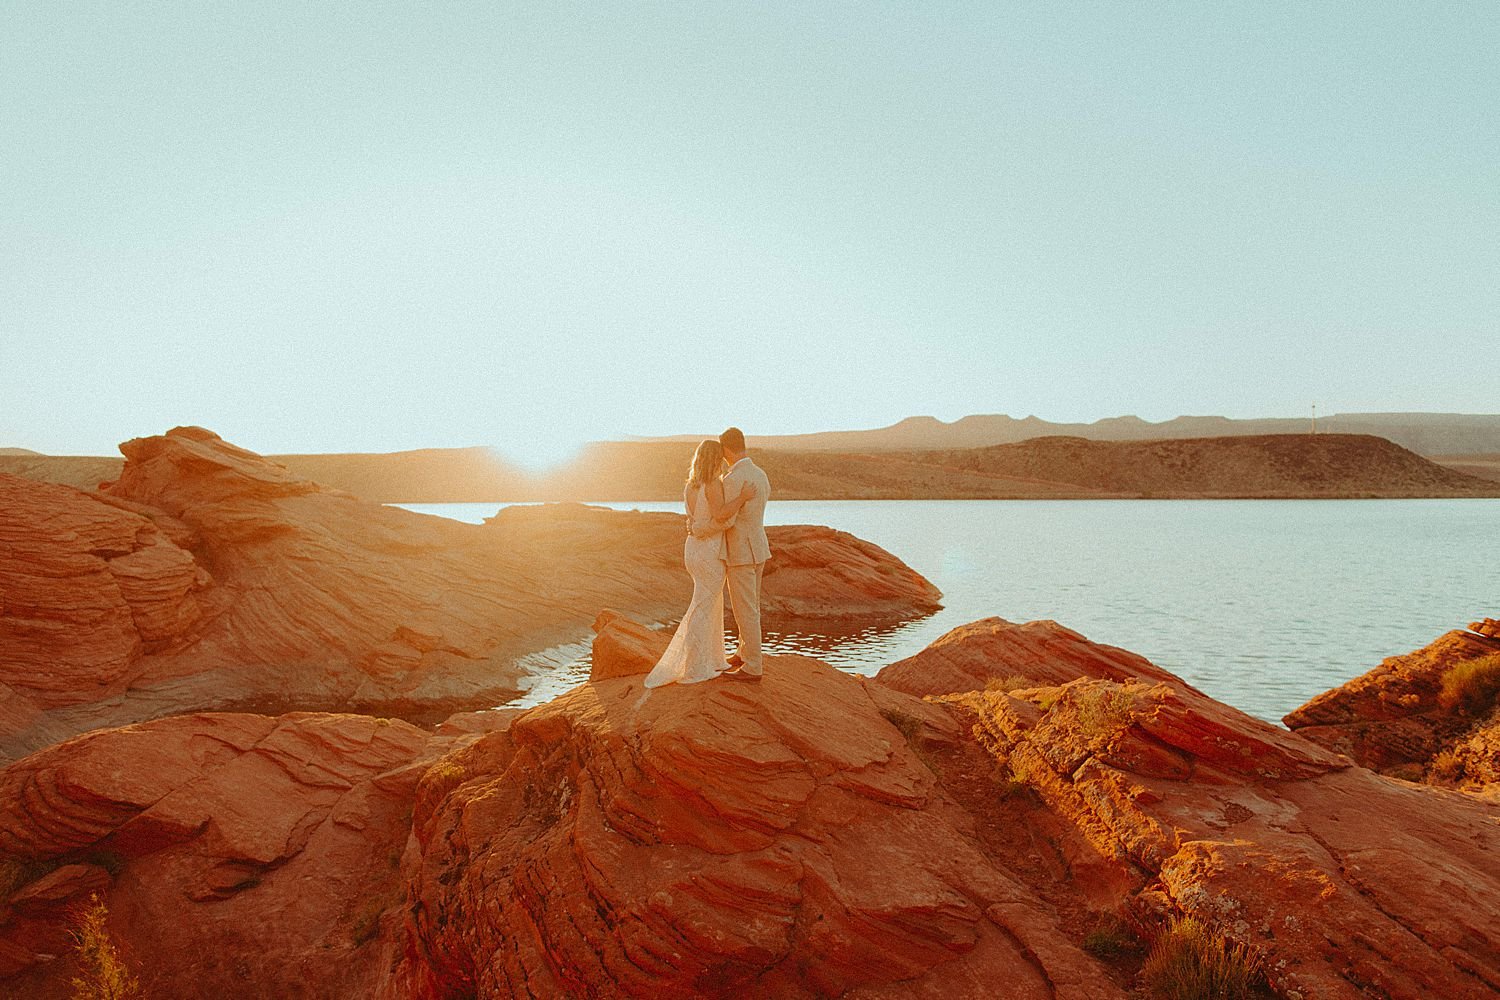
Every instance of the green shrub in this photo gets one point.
(1189, 962)
(1005, 685)
(101, 972)
(1472, 685)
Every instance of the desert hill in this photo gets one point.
(1481, 466)
(1274, 465)
(1279, 465)
(1283, 465)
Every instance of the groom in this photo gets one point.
(744, 550)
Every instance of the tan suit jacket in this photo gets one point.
(744, 543)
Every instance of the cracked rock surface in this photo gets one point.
(239, 855)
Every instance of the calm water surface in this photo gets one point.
(1260, 603)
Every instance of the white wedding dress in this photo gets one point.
(697, 649)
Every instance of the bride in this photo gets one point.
(697, 649)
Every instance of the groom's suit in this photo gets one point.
(744, 549)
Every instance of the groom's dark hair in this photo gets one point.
(733, 440)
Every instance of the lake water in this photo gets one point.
(1260, 603)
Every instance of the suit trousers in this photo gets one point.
(743, 583)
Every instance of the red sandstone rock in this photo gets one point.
(239, 855)
(85, 590)
(798, 839)
(623, 647)
(818, 834)
(1389, 718)
(1344, 883)
(816, 574)
(1035, 654)
(717, 840)
(209, 577)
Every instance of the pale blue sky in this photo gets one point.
(375, 226)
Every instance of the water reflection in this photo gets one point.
(859, 649)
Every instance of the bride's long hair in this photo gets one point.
(707, 461)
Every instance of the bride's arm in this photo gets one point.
(724, 512)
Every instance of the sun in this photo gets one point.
(539, 453)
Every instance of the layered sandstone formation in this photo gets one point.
(239, 855)
(1392, 719)
(995, 652)
(718, 840)
(210, 577)
(820, 834)
(1345, 883)
(816, 834)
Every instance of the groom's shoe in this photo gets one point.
(739, 673)
(736, 661)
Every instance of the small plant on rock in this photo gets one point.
(1110, 937)
(909, 725)
(1471, 686)
(102, 974)
(1005, 685)
(1104, 708)
(1446, 768)
(1190, 962)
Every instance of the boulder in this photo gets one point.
(993, 651)
(1390, 718)
(816, 575)
(623, 647)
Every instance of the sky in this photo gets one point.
(379, 226)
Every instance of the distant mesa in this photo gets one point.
(1424, 433)
(909, 464)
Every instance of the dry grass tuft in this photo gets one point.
(909, 725)
(102, 974)
(1446, 768)
(1110, 938)
(1471, 686)
(1014, 682)
(1104, 709)
(1190, 962)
